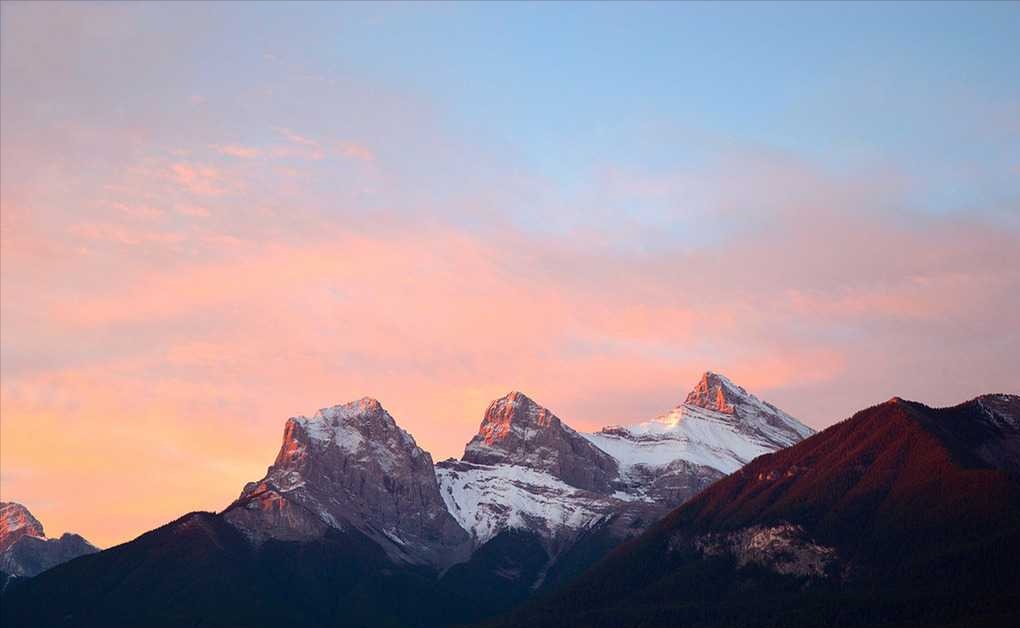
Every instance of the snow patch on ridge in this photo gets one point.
(687, 433)
(360, 427)
(487, 499)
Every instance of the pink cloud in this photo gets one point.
(355, 151)
(138, 211)
(200, 180)
(196, 211)
(241, 152)
(120, 234)
(821, 313)
(295, 138)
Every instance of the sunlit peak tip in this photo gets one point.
(363, 406)
(516, 396)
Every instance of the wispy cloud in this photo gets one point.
(121, 234)
(138, 210)
(352, 150)
(241, 152)
(198, 179)
(196, 211)
(295, 138)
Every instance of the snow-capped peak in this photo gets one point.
(720, 425)
(752, 416)
(366, 406)
(352, 466)
(516, 430)
(360, 414)
(350, 425)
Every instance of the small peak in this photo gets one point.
(717, 379)
(513, 409)
(512, 400)
(715, 392)
(365, 416)
(515, 396)
(367, 404)
(364, 407)
(17, 521)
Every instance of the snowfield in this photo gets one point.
(487, 499)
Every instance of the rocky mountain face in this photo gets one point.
(902, 515)
(579, 495)
(517, 431)
(527, 470)
(759, 420)
(24, 548)
(352, 466)
(16, 522)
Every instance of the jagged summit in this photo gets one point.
(513, 409)
(720, 425)
(518, 431)
(24, 548)
(350, 466)
(758, 419)
(348, 424)
(364, 407)
(15, 522)
(715, 392)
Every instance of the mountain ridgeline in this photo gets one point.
(539, 524)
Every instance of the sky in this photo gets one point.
(217, 216)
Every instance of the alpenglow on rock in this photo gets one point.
(352, 465)
(518, 431)
(758, 419)
(24, 548)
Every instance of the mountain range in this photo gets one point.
(353, 524)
